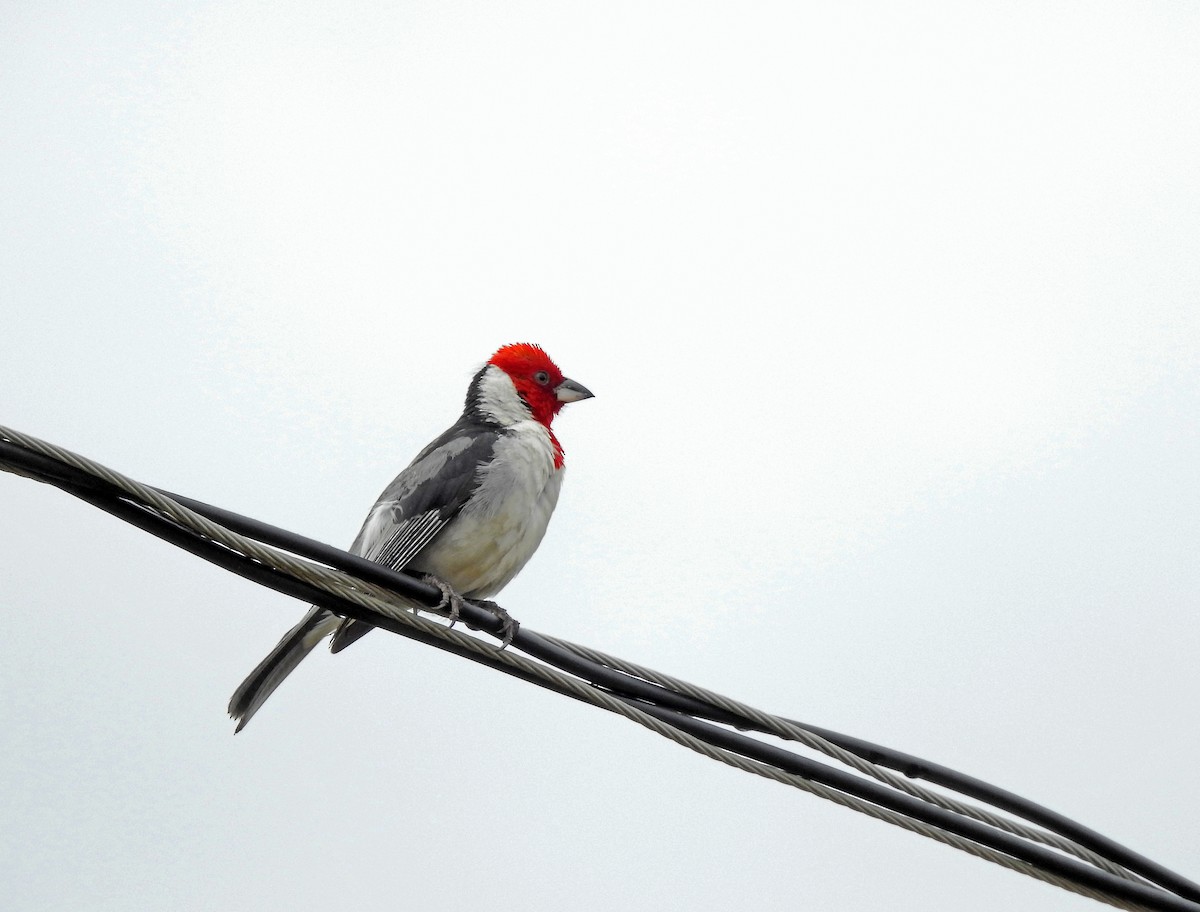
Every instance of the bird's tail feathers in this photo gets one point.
(349, 631)
(279, 663)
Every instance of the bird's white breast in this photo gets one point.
(502, 524)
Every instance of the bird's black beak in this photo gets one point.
(570, 391)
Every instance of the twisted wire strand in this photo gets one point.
(383, 601)
(792, 732)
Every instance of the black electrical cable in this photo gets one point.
(1046, 860)
(918, 768)
(644, 694)
(1066, 867)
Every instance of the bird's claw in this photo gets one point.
(509, 625)
(451, 601)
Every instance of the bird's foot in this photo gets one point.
(451, 601)
(509, 625)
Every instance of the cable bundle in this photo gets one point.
(1000, 827)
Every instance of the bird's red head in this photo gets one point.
(538, 380)
(534, 375)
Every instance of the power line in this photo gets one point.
(1012, 832)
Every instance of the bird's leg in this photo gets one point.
(509, 625)
(451, 601)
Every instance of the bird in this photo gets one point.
(467, 513)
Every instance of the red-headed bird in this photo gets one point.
(469, 511)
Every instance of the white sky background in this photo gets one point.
(893, 320)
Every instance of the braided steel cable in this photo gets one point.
(789, 731)
(166, 516)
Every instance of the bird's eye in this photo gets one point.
(541, 378)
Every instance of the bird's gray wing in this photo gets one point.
(418, 504)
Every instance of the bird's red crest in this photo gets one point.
(526, 359)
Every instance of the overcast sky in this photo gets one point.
(892, 314)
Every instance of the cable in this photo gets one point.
(672, 708)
